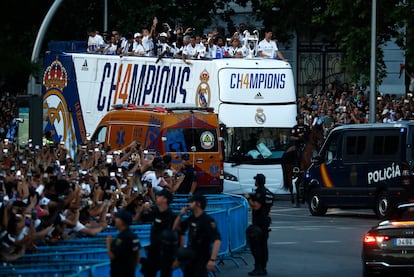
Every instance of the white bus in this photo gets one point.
(254, 98)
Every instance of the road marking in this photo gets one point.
(327, 241)
(284, 242)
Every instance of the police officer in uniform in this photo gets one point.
(258, 232)
(124, 250)
(202, 233)
(299, 135)
(189, 184)
(164, 240)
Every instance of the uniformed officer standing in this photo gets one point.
(124, 250)
(189, 184)
(202, 233)
(299, 135)
(164, 240)
(258, 233)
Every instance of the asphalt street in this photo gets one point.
(304, 245)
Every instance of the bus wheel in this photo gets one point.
(383, 205)
(316, 206)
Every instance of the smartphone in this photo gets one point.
(119, 170)
(18, 173)
(62, 168)
(112, 174)
(5, 151)
(109, 159)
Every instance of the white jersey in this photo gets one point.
(190, 50)
(234, 51)
(411, 87)
(95, 43)
(268, 48)
(138, 49)
(148, 45)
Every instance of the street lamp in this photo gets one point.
(31, 86)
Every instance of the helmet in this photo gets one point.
(185, 255)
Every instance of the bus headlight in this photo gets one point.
(230, 177)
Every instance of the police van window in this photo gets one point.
(100, 134)
(332, 148)
(191, 140)
(355, 147)
(386, 145)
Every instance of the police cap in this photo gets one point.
(260, 178)
(125, 216)
(200, 199)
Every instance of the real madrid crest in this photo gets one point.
(203, 90)
(260, 117)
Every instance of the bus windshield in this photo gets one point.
(191, 140)
(255, 145)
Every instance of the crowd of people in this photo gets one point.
(161, 40)
(343, 104)
(46, 195)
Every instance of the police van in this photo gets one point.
(362, 166)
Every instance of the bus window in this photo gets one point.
(354, 147)
(249, 143)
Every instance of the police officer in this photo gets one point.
(124, 250)
(258, 233)
(163, 240)
(202, 233)
(189, 184)
(299, 135)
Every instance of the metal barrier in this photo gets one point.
(88, 256)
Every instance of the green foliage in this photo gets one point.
(345, 24)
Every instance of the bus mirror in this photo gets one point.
(316, 159)
(329, 156)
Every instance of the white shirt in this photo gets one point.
(138, 49)
(110, 49)
(190, 50)
(148, 45)
(268, 48)
(411, 87)
(95, 43)
(126, 46)
(156, 183)
(211, 52)
(233, 51)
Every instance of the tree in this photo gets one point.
(346, 24)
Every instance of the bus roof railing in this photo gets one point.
(165, 108)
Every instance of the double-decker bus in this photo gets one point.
(255, 100)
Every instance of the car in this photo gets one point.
(389, 246)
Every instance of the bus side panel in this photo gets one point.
(63, 114)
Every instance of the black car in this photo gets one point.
(389, 246)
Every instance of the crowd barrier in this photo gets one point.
(88, 256)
